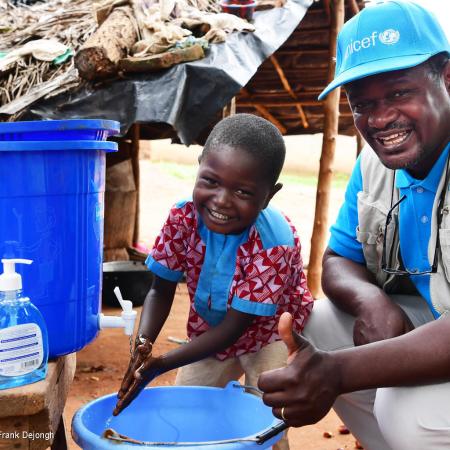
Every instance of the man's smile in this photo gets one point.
(393, 138)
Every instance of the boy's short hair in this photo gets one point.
(253, 134)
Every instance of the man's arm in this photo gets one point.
(352, 288)
(309, 385)
(349, 284)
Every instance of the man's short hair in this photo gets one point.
(254, 135)
(437, 63)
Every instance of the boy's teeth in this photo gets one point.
(218, 215)
(394, 139)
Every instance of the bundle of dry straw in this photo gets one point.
(70, 22)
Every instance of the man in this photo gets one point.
(381, 354)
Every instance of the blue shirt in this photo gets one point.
(415, 231)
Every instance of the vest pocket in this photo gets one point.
(444, 239)
(370, 231)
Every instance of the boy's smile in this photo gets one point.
(231, 189)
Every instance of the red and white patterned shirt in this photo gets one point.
(259, 272)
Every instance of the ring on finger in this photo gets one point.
(282, 414)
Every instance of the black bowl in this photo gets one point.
(133, 278)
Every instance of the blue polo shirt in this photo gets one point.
(414, 231)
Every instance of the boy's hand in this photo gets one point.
(141, 370)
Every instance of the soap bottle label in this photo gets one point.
(21, 349)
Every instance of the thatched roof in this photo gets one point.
(285, 87)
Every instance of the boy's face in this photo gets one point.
(230, 190)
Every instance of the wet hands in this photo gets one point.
(142, 369)
(306, 389)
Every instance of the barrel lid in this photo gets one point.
(30, 146)
(112, 127)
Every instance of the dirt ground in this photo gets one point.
(101, 364)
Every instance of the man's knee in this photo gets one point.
(414, 417)
(329, 328)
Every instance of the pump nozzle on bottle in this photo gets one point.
(126, 319)
(10, 280)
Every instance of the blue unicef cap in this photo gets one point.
(386, 36)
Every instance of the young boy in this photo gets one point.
(242, 263)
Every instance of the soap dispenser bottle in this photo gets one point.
(23, 332)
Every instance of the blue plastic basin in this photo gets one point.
(51, 211)
(177, 414)
(59, 130)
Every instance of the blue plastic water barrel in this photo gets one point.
(59, 130)
(178, 414)
(51, 211)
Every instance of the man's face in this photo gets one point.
(404, 116)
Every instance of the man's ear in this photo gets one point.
(447, 76)
(273, 191)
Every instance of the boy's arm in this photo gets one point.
(157, 306)
(209, 343)
(155, 311)
(212, 341)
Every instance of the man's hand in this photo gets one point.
(379, 319)
(142, 369)
(306, 389)
(353, 289)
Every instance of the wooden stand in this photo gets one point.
(31, 415)
(122, 198)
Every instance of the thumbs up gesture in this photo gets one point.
(304, 391)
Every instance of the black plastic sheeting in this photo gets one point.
(187, 96)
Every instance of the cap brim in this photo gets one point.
(374, 68)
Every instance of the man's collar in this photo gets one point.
(405, 180)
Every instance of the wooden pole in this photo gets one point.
(136, 135)
(287, 87)
(229, 109)
(331, 122)
(354, 8)
(263, 111)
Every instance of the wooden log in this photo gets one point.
(104, 8)
(331, 123)
(99, 56)
(120, 208)
(162, 60)
(115, 254)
